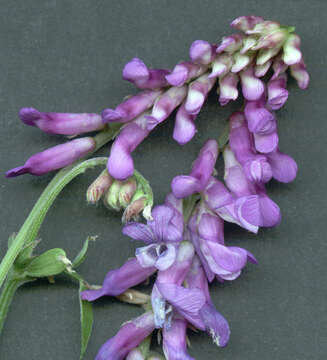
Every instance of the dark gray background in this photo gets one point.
(67, 56)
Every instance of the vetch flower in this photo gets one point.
(55, 157)
(291, 50)
(283, 166)
(120, 162)
(61, 123)
(255, 166)
(261, 70)
(174, 340)
(277, 93)
(216, 325)
(230, 43)
(240, 61)
(185, 185)
(184, 72)
(184, 128)
(130, 335)
(142, 77)
(131, 108)
(228, 88)
(202, 52)
(99, 187)
(119, 280)
(300, 74)
(252, 87)
(245, 23)
(221, 65)
(198, 91)
(165, 105)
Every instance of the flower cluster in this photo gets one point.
(184, 237)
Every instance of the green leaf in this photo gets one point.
(86, 319)
(51, 262)
(82, 254)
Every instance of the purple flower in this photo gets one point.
(277, 93)
(271, 39)
(130, 335)
(119, 280)
(252, 87)
(174, 340)
(184, 128)
(261, 70)
(228, 88)
(265, 55)
(300, 74)
(283, 167)
(245, 23)
(131, 108)
(292, 54)
(279, 67)
(185, 71)
(241, 61)
(185, 185)
(54, 158)
(165, 105)
(138, 73)
(166, 226)
(255, 166)
(202, 52)
(216, 325)
(61, 123)
(221, 65)
(264, 27)
(225, 262)
(262, 123)
(198, 91)
(120, 162)
(230, 43)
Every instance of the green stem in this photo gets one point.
(6, 297)
(31, 226)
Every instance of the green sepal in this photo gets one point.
(51, 262)
(80, 257)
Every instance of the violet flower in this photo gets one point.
(230, 43)
(202, 52)
(185, 185)
(55, 157)
(131, 108)
(252, 87)
(198, 91)
(216, 325)
(120, 162)
(255, 166)
(284, 168)
(165, 105)
(277, 93)
(300, 74)
(241, 61)
(159, 234)
(142, 77)
(228, 88)
(61, 123)
(184, 129)
(245, 23)
(130, 335)
(262, 123)
(261, 70)
(292, 54)
(174, 340)
(184, 72)
(119, 280)
(221, 65)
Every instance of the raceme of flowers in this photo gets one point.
(183, 239)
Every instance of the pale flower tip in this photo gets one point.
(20, 170)
(135, 70)
(177, 78)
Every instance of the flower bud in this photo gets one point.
(202, 52)
(111, 199)
(126, 192)
(99, 186)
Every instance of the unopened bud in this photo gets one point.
(111, 199)
(127, 191)
(133, 209)
(99, 186)
(132, 296)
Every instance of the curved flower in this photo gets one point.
(228, 88)
(184, 128)
(119, 280)
(202, 52)
(61, 123)
(185, 185)
(277, 93)
(120, 162)
(185, 71)
(131, 108)
(245, 23)
(161, 256)
(141, 76)
(130, 335)
(55, 157)
(300, 74)
(252, 87)
(230, 43)
(221, 65)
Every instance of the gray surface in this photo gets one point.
(68, 56)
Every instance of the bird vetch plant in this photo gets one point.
(183, 238)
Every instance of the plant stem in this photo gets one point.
(32, 224)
